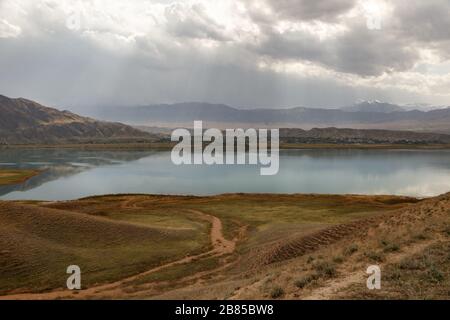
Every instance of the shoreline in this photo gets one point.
(234, 196)
(163, 146)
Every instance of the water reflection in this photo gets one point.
(57, 164)
(73, 174)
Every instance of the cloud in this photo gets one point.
(191, 21)
(8, 30)
(358, 50)
(426, 23)
(245, 53)
(310, 10)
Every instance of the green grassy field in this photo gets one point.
(274, 212)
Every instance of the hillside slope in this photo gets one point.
(24, 121)
(38, 244)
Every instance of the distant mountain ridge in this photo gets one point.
(362, 116)
(374, 106)
(24, 121)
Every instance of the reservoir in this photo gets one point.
(71, 174)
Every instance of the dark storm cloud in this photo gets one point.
(359, 51)
(425, 22)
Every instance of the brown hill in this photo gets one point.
(24, 121)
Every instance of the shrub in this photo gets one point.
(435, 275)
(420, 236)
(391, 247)
(303, 282)
(394, 275)
(326, 269)
(276, 292)
(447, 231)
(409, 264)
(375, 256)
(350, 250)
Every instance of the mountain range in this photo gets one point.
(374, 106)
(23, 121)
(365, 115)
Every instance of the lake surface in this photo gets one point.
(72, 174)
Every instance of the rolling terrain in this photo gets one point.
(38, 243)
(226, 247)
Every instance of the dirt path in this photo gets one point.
(220, 246)
(329, 289)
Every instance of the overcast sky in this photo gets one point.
(245, 53)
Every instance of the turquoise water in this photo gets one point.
(72, 174)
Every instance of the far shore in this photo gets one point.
(164, 146)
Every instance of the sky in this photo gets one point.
(244, 53)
